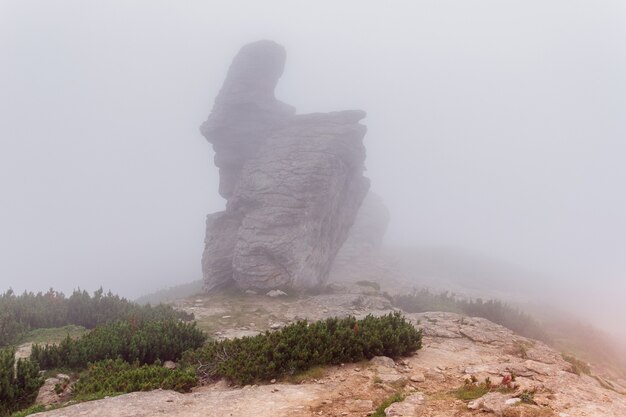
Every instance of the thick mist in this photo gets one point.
(494, 127)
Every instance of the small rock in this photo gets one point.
(512, 401)
(475, 404)
(419, 377)
(273, 381)
(251, 292)
(275, 293)
(492, 402)
(170, 365)
(409, 407)
(47, 394)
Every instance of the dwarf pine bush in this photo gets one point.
(303, 345)
(116, 376)
(144, 342)
(19, 383)
(20, 313)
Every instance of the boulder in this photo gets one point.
(54, 390)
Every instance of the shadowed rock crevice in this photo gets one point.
(293, 183)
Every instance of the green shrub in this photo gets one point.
(19, 383)
(116, 376)
(527, 397)
(493, 310)
(301, 346)
(20, 313)
(144, 341)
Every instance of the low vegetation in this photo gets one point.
(302, 345)
(133, 341)
(472, 389)
(380, 410)
(128, 343)
(317, 372)
(21, 313)
(493, 310)
(19, 382)
(112, 377)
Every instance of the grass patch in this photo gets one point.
(317, 372)
(380, 410)
(472, 389)
(54, 335)
(469, 392)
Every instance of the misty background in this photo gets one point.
(494, 128)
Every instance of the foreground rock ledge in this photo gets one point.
(455, 348)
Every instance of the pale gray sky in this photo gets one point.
(496, 126)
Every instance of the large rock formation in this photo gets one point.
(293, 183)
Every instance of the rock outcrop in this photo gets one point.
(293, 183)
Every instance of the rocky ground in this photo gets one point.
(455, 348)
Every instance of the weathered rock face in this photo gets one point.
(294, 183)
(245, 111)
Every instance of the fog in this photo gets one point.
(494, 127)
